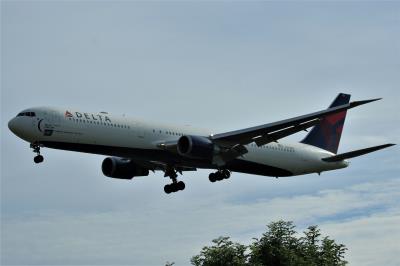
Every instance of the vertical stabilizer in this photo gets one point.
(326, 134)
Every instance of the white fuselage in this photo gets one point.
(106, 134)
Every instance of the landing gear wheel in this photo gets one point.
(38, 159)
(219, 175)
(212, 177)
(226, 174)
(167, 189)
(180, 185)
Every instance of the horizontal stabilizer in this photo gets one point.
(352, 154)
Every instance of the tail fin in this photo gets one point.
(326, 134)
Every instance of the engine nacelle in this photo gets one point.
(196, 147)
(122, 168)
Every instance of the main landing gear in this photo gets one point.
(219, 175)
(176, 185)
(36, 149)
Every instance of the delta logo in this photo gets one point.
(68, 114)
(87, 116)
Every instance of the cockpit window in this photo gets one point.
(27, 114)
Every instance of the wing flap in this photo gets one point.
(356, 153)
(275, 136)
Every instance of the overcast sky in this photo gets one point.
(216, 65)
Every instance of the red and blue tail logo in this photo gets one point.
(68, 114)
(326, 135)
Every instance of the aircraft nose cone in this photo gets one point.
(21, 128)
(12, 126)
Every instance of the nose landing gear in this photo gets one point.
(36, 149)
(38, 159)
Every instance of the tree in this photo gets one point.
(279, 245)
(223, 253)
(332, 253)
(310, 245)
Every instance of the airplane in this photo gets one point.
(136, 147)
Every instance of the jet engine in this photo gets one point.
(122, 168)
(195, 147)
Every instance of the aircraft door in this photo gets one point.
(139, 131)
(49, 122)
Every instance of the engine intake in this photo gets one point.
(196, 147)
(122, 168)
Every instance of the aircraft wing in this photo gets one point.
(266, 133)
(156, 165)
(232, 143)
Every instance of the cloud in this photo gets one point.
(195, 63)
(176, 230)
(371, 240)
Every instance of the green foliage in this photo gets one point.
(223, 253)
(279, 245)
